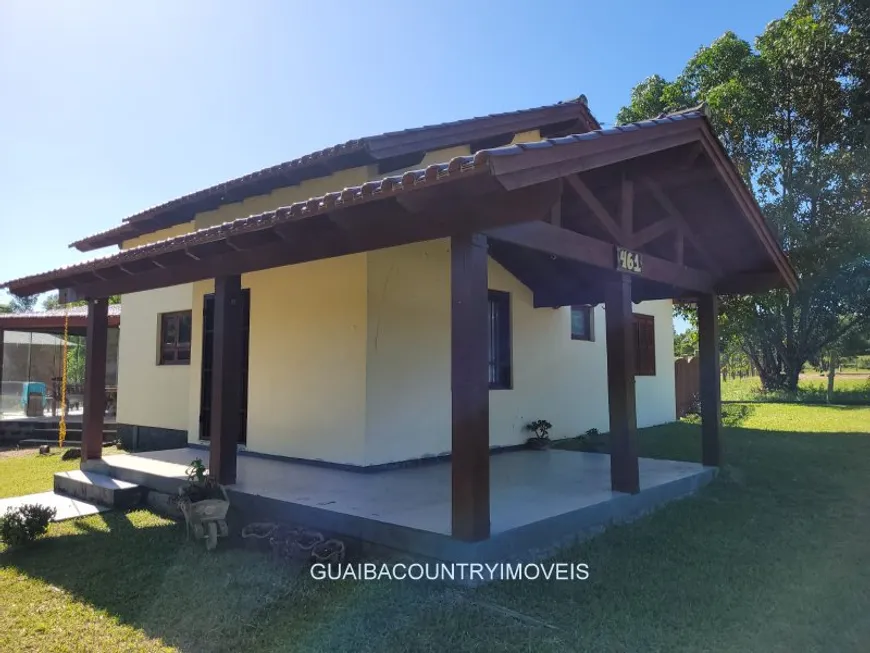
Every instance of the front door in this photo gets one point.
(207, 356)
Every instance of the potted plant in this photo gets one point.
(541, 439)
(295, 545)
(257, 536)
(204, 504)
(328, 552)
(283, 543)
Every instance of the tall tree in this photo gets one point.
(23, 304)
(792, 113)
(52, 302)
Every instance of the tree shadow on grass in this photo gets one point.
(144, 572)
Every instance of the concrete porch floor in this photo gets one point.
(539, 499)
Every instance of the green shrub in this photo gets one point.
(22, 525)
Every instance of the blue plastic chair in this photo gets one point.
(33, 387)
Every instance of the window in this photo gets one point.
(645, 345)
(581, 323)
(175, 338)
(499, 340)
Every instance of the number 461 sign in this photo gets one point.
(628, 261)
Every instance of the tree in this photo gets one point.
(52, 302)
(23, 304)
(686, 343)
(792, 113)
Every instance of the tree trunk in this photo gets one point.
(792, 375)
(832, 371)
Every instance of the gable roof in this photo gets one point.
(509, 167)
(397, 146)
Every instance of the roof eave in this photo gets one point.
(377, 147)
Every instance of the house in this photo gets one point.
(425, 293)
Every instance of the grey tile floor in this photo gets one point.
(525, 486)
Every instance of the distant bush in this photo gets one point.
(22, 525)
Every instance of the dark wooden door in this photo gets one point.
(206, 368)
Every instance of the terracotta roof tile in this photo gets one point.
(391, 185)
(383, 143)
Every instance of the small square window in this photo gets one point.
(582, 323)
(175, 330)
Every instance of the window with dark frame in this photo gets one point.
(581, 323)
(175, 330)
(645, 345)
(499, 340)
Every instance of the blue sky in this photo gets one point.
(111, 107)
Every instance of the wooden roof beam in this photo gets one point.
(574, 246)
(310, 243)
(653, 232)
(584, 193)
(676, 215)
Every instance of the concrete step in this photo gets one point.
(98, 488)
(113, 466)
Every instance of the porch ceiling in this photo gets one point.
(662, 187)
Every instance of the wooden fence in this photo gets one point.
(688, 383)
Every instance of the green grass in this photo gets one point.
(812, 390)
(34, 473)
(771, 557)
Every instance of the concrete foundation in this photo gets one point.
(150, 438)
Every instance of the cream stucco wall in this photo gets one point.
(150, 394)
(160, 234)
(312, 188)
(350, 357)
(554, 377)
(306, 396)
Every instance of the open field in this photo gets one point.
(812, 388)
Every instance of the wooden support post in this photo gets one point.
(711, 396)
(624, 474)
(226, 389)
(2, 335)
(96, 345)
(469, 375)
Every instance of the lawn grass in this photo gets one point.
(771, 557)
(811, 389)
(34, 473)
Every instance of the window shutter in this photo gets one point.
(645, 345)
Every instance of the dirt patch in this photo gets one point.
(14, 452)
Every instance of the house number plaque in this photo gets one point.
(628, 261)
